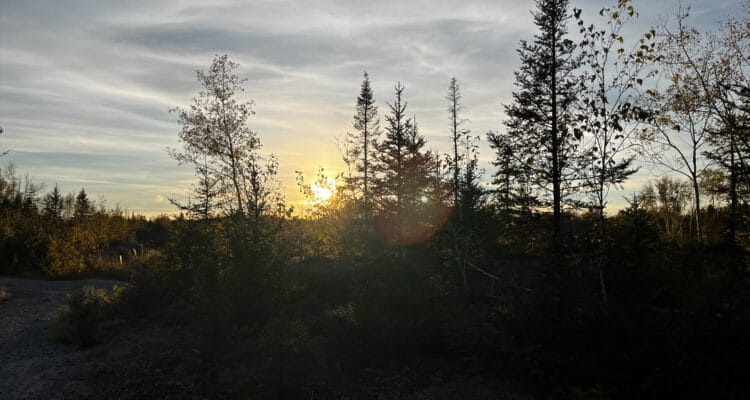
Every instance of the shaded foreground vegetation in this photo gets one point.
(276, 322)
(414, 275)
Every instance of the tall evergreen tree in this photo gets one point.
(362, 144)
(82, 207)
(418, 171)
(406, 181)
(392, 152)
(540, 117)
(52, 205)
(457, 136)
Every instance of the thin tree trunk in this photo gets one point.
(602, 286)
(366, 194)
(732, 193)
(697, 193)
(556, 195)
(455, 153)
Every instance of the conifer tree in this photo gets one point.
(457, 136)
(52, 205)
(406, 175)
(82, 207)
(362, 144)
(418, 171)
(513, 189)
(392, 152)
(540, 117)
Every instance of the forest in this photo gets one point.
(412, 268)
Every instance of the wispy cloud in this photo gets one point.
(85, 86)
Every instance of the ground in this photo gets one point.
(145, 361)
(32, 365)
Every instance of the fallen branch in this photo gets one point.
(483, 271)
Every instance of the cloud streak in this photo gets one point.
(86, 86)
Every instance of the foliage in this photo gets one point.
(354, 295)
(218, 144)
(40, 238)
(611, 88)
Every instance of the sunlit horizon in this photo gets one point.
(85, 92)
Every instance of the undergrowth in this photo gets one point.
(80, 320)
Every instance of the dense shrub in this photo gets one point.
(80, 321)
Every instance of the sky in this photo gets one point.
(86, 86)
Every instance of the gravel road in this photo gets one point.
(32, 366)
(35, 367)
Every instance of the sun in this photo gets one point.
(323, 190)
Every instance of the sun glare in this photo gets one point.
(323, 190)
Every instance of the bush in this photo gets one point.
(79, 322)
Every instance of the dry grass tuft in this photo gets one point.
(5, 295)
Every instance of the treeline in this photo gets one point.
(414, 268)
(66, 235)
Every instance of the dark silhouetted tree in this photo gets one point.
(83, 208)
(362, 144)
(392, 153)
(613, 78)
(513, 188)
(406, 183)
(52, 205)
(215, 136)
(541, 116)
(678, 135)
(458, 136)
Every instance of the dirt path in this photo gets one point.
(32, 366)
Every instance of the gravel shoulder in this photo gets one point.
(32, 365)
